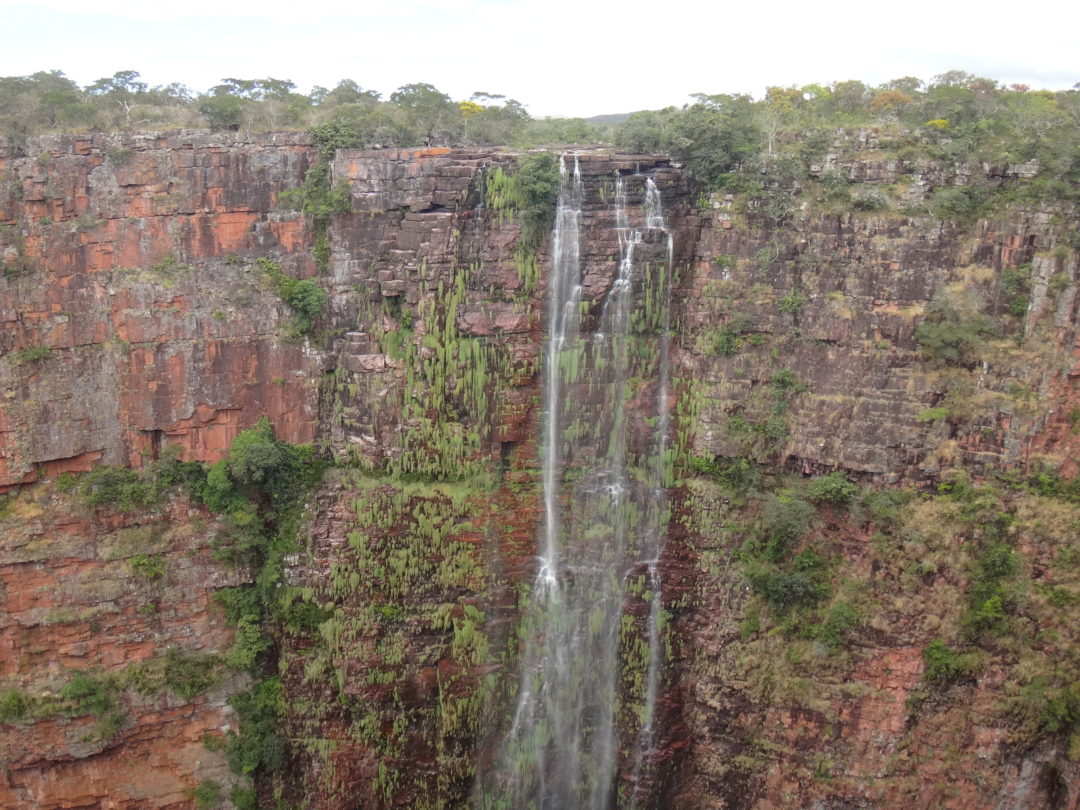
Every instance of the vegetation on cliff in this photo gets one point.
(979, 580)
(945, 610)
(258, 490)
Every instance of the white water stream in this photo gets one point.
(592, 653)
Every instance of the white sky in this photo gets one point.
(558, 57)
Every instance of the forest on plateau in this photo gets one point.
(730, 141)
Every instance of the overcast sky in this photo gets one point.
(558, 57)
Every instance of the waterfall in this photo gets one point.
(590, 663)
(660, 479)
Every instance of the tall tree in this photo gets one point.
(121, 91)
(430, 114)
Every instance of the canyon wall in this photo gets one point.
(138, 316)
(131, 324)
(779, 713)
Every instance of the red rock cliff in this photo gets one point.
(136, 317)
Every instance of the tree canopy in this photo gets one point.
(724, 140)
(414, 115)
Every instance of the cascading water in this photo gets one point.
(661, 478)
(590, 666)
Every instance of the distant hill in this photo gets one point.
(614, 118)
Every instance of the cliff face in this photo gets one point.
(78, 600)
(121, 267)
(424, 557)
(137, 317)
(838, 298)
(779, 712)
(129, 326)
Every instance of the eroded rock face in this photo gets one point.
(132, 315)
(136, 316)
(133, 320)
(775, 720)
(837, 299)
(77, 600)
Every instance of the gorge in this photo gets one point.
(788, 496)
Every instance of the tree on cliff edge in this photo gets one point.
(431, 115)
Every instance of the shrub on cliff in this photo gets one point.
(842, 618)
(945, 665)
(993, 600)
(785, 519)
(1051, 484)
(119, 487)
(256, 486)
(965, 203)
(13, 706)
(305, 298)
(89, 693)
(206, 794)
(729, 338)
(785, 590)
(263, 463)
(833, 488)
(258, 745)
(738, 474)
(125, 489)
(954, 331)
(257, 457)
(259, 488)
(538, 180)
(1048, 706)
(182, 673)
(96, 694)
(532, 191)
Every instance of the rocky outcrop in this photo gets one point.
(779, 716)
(775, 716)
